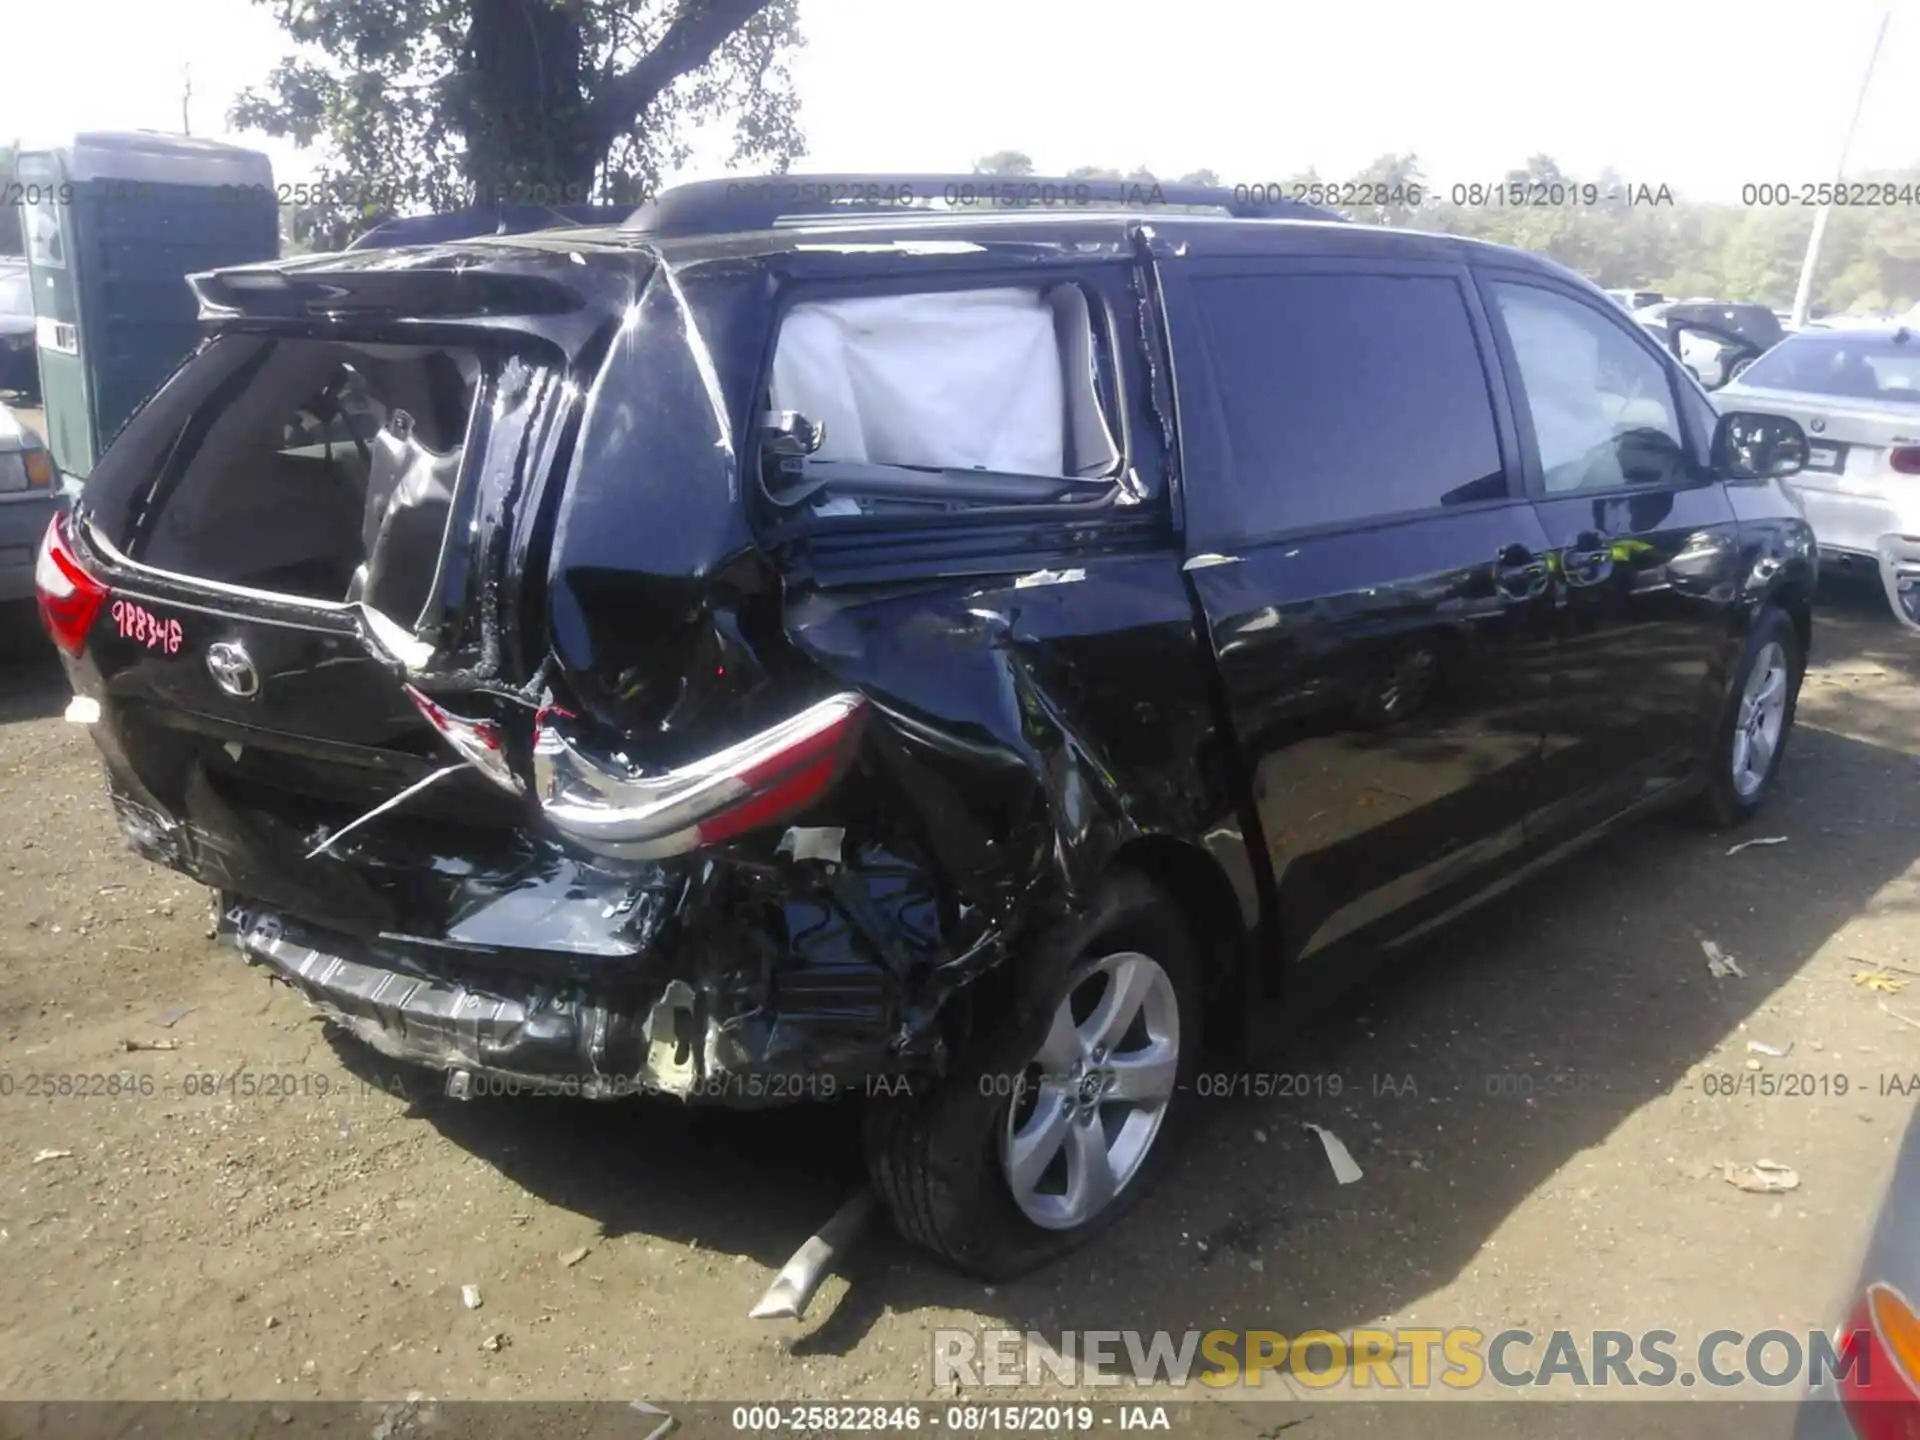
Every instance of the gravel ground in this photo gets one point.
(1527, 1097)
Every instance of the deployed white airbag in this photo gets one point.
(964, 379)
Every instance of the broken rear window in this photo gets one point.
(942, 400)
(314, 468)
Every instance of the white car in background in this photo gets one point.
(1856, 392)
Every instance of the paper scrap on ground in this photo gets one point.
(41, 1157)
(1761, 1047)
(470, 1296)
(1719, 963)
(1763, 1177)
(1763, 840)
(1344, 1169)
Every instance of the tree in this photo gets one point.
(1004, 162)
(1395, 180)
(440, 104)
(1201, 177)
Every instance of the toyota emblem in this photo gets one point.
(232, 669)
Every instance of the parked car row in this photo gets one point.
(1855, 391)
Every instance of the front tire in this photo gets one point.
(1751, 735)
(1062, 1117)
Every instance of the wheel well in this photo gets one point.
(1194, 881)
(1794, 598)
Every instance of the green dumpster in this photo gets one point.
(115, 222)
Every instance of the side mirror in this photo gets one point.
(1748, 446)
(788, 432)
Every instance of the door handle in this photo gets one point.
(1519, 573)
(1589, 560)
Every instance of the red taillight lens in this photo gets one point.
(786, 783)
(69, 596)
(759, 781)
(1880, 1367)
(479, 742)
(1905, 459)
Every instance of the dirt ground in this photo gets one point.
(1525, 1096)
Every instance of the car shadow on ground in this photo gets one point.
(1462, 1077)
(33, 686)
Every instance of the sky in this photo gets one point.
(1702, 96)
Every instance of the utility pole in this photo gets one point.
(186, 98)
(1803, 294)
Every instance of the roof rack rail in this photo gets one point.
(762, 202)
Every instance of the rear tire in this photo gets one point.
(1755, 721)
(981, 1169)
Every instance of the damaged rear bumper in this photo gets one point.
(756, 976)
(499, 1031)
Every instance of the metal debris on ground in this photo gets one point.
(793, 1288)
(1344, 1169)
(1903, 1019)
(1763, 1177)
(470, 1296)
(1779, 1052)
(1763, 840)
(574, 1256)
(1879, 980)
(1719, 963)
(42, 1156)
(151, 1044)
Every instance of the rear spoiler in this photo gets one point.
(423, 293)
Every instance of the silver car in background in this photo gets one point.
(29, 495)
(19, 364)
(1856, 393)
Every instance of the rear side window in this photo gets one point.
(1349, 396)
(941, 400)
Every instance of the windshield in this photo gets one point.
(15, 296)
(1850, 366)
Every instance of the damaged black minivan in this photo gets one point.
(883, 638)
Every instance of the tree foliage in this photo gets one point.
(1621, 232)
(442, 104)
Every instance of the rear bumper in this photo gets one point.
(503, 1028)
(500, 1029)
(746, 981)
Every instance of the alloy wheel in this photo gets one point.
(1762, 715)
(1092, 1099)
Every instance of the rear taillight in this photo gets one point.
(69, 596)
(480, 742)
(764, 779)
(1879, 1376)
(1905, 459)
(39, 468)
